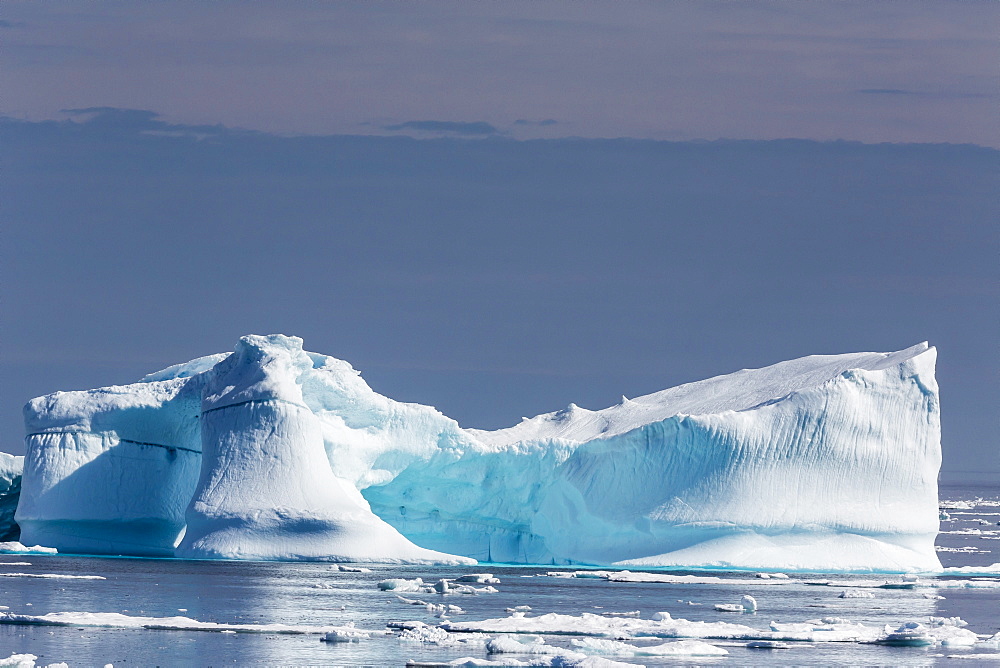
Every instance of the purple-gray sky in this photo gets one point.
(487, 275)
(868, 71)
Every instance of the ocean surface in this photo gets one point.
(304, 595)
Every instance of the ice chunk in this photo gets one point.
(346, 633)
(749, 603)
(14, 547)
(19, 661)
(848, 593)
(479, 578)
(910, 634)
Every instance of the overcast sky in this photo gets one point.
(176, 175)
(871, 71)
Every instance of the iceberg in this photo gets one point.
(825, 462)
(10, 493)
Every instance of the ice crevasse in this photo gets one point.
(271, 452)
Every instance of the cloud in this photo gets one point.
(478, 128)
(115, 117)
(542, 123)
(11, 24)
(921, 93)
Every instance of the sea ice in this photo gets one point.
(272, 452)
(122, 621)
(14, 547)
(677, 648)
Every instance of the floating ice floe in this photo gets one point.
(478, 578)
(434, 635)
(346, 633)
(120, 621)
(442, 586)
(350, 569)
(439, 609)
(568, 660)
(52, 576)
(14, 547)
(992, 569)
(849, 593)
(933, 630)
(677, 648)
(28, 661)
(747, 604)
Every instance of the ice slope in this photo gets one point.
(267, 489)
(821, 463)
(825, 462)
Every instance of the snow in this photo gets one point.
(271, 452)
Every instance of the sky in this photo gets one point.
(501, 208)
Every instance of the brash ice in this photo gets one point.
(826, 462)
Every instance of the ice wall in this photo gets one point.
(824, 463)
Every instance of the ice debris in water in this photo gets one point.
(28, 661)
(567, 660)
(850, 593)
(747, 604)
(346, 633)
(14, 547)
(442, 586)
(433, 635)
(439, 609)
(350, 569)
(123, 621)
(478, 578)
(273, 452)
(677, 648)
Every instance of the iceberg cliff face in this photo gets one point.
(822, 463)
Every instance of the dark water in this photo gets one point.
(234, 592)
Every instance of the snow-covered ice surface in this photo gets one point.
(821, 463)
(175, 612)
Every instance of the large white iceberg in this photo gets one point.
(271, 452)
